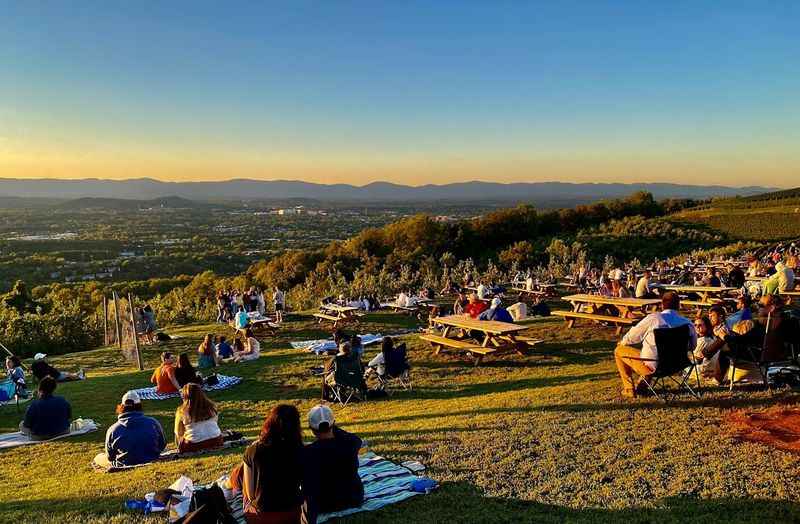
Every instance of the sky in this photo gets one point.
(408, 92)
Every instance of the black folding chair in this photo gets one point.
(345, 380)
(672, 349)
(398, 370)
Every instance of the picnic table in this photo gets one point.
(258, 323)
(497, 336)
(790, 296)
(419, 307)
(337, 314)
(709, 295)
(625, 311)
(532, 293)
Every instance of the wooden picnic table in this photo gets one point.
(337, 314)
(627, 307)
(707, 294)
(497, 336)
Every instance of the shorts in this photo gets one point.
(278, 307)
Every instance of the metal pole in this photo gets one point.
(116, 318)
(135, 334)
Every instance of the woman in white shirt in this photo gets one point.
(196, 421)
(252, 348)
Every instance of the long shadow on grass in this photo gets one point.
(506, 386)
(463, 502)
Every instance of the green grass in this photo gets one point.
(542, 438)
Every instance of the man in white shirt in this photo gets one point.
(643, 286)
(642, 333)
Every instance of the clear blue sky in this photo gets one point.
(412, 92)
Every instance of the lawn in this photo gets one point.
(542, 438)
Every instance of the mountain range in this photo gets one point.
(245, 189)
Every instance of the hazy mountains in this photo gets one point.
(241, 189)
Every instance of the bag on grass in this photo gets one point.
(211, 380)
(208, 506)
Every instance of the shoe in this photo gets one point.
(82, 374)
(628, 393)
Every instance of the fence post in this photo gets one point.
(116, 318)
(135, 334)
(105, 321)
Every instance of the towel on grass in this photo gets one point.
(79, 426)
(225, 382)
(323, 346)
(171, 454)
(384, 483)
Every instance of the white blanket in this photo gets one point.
(78, 427)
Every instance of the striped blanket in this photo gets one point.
(384, 483)
(322, 346)
(225, 382)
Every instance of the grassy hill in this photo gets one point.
(765, 217)
(541, 438)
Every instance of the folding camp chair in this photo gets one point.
(10, 392)
(752, 354)
(397, 370)
(672, 349)
(345, 380)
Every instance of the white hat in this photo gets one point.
(318, 415)
(132, 397)
(39, 356)
(496, 301)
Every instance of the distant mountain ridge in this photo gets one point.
(245, 189)
(170, 202)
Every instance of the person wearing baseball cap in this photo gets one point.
(134, 438)
(330, 476)
(41, 368)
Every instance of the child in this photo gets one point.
(17, 375)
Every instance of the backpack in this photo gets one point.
(208, 506)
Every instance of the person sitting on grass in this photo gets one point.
(642, 333)
(330, 467)
(185, 372)
(496, 312)
(196, 421)
(475, 306)
(164, 375)
(41, 368)
(48, 416)
(224, 350)
(207, 352)
(134, 438)
(271, 470)
(17, 375)
(252, 348)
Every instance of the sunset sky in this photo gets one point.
(410, 92)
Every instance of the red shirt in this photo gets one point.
(476, 308)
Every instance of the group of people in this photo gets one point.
(714, 339)
(229, 303)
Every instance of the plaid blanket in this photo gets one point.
(384, 483)
(322, 346)
(225, 382)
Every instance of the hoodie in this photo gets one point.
(134, 439)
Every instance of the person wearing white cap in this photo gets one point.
(41, 368)
(134, 438)
(330, 473)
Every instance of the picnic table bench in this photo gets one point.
(589, 307)
(497, 336)
(706, 293)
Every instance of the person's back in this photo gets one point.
(331, 478)
(134, 439)
(241, 319)
(49, 415)
(277, 471)
(164, 376)
(224, 350)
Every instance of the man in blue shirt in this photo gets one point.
(48, 416)
(224, 350)
(134, 438)
(496, 312)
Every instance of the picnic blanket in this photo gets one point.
(225, 382)
(171, 454)
(384, 483)
(322, 346)
(79, 426)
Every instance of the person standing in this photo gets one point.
(279, 301)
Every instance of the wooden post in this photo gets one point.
(105, 321)
(116, 318)
(135, 334)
